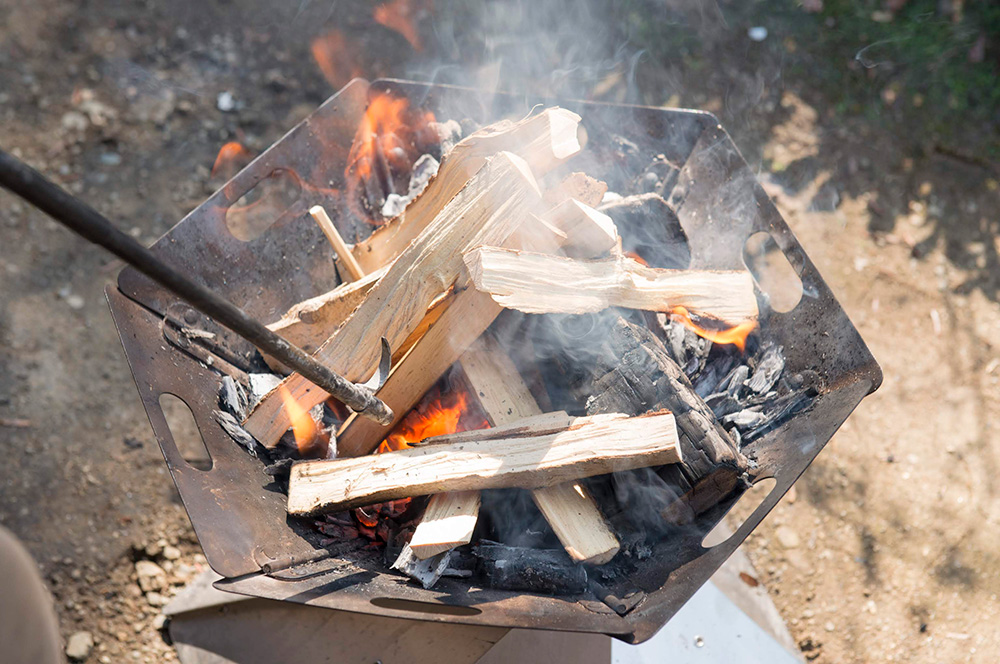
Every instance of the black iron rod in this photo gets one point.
(79, 217)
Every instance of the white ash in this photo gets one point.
(233, 398)
(262, 384)
(425, 168)
(236, 431)
(449, 134)
(426, 572)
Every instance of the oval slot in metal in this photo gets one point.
(747, 504)
(775, 276)
(185, 432)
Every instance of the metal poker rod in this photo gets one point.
(79, 217)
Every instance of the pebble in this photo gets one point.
(787, 537)
(171, 552)
(156, 599)
(757, 33)
(829, 626)
(150, 575)
(159, 622)
(75, 302)
(111, 158)
(79, 645)
(75, 121)
(226, 102)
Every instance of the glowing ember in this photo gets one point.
(308, 437)
(336, 56)
(736, 335)
(400, 16)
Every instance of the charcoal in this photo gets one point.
(545, 571)
(780, 411)
(236, 431)
(280, 469)
(733, 383)
(650, 229)
(707, 381)
(620, 605)
(425, 572)
(659, 177)
(722, 404)
(768, 369)
(233, 398)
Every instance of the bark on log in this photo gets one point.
(497, 458)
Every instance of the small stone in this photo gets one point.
(159, 622)
(171, 552)
(787, 537)
(829, 626)
(156, 599)
(150, 576)
(76, 302)
(75, 121)
(79, 645)
(226, 102)
(104, 659)
(111, 158)
(757, 33)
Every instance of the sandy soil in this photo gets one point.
(887, 551)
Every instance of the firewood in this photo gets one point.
(340, 248)
(529, 570)
(579, 186)
(646, 377)
(539, 283)
(448, 522)
(543, 141)
(487, 210)
(499, 459)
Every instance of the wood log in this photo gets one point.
(539, 283)
(578, 186)
(645, 377)
(499, 458)
(529, 570)
(543, 141)
(487, 210)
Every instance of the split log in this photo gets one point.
(539, 283)
(578, 186)
(645, 377)
(487, 210)
(543, 141)
(569, 508)
(501, 457)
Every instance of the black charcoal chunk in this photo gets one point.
(768, 370)
(236, 431)
(545, 571)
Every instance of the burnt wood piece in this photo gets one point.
(650, 228)
(648, 378)
(546, 571)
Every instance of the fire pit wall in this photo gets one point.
(237, 512)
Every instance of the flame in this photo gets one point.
(336, 57)
(232, 158)
(309, 440)
(437, 419)
(637, 258)
(390, 138)
(736, 335)
(400, 16)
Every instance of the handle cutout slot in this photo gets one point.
(747, 504)
(185, 432)
(774, 274)
(258, 209)
(424, 607)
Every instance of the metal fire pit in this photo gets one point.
(237, 512)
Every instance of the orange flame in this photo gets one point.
(336, 56)
(390, 137)
(736, 335)
(437, 419)
(401, 16)
(637, 258)
(309, 440)
(232, 158)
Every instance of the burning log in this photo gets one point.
(543, 141)
(569, 508)
(486, 211)
(537, 283)
(519, 455)
(646, 377)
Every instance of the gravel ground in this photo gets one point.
(887, 551)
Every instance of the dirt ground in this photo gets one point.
(887, 551)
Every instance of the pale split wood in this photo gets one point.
(351, 267)
(486, 211)
(544, 141)
(579, 186)
(540, 283)
(448, 521)
(589, 446)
